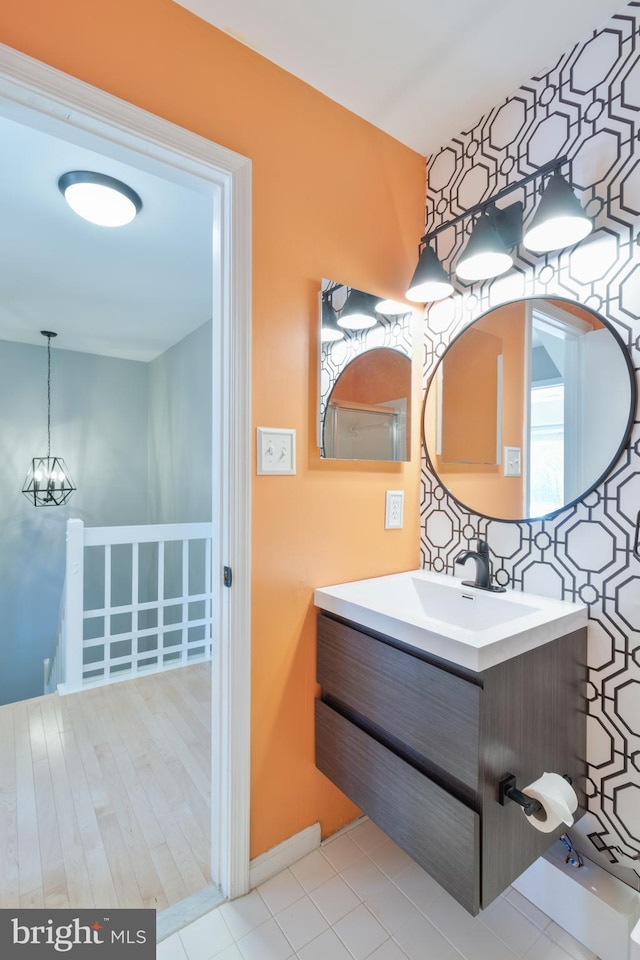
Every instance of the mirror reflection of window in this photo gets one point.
(546, 450)
(560, 347)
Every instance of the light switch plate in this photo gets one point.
(394, 512)
(512, 461)
(276, 453)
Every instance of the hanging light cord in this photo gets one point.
(48, 398)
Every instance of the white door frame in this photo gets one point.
(32, 92)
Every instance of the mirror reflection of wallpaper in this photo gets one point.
(394, 332)
(587, 106)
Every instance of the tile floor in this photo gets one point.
(360, 896)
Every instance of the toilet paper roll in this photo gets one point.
(559, 802)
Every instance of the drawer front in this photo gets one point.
(438, 831)
(433, 712)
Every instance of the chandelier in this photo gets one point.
(48, 483)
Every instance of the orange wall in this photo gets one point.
(333, 197)
(374, 377)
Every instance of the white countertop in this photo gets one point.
(436, 614)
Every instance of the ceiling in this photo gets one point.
(128, 292)
(421, 70)
(411, 68)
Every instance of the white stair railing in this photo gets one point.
(54, 665)
(94, 649)
(74, 607)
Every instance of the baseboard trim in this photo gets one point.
(278, 858)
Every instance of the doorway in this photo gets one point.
(42, 98)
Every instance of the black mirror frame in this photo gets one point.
(622, 446)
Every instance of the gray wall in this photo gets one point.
(586, 105)
(98, 425)
(180, 431)
(179, 447)
(136, 439)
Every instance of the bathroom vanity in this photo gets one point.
(421, 717)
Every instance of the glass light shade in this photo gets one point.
(330, 331)
(48, 483)
(392, 308)
(430, 281)
(358, 312)
(485, 255)
(99, 199)
(559, 220)
(331, 336)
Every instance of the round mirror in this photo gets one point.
(368, 411)
(528, 409)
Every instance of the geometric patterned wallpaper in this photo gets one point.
(586, 106)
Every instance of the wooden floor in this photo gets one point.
(105, 794)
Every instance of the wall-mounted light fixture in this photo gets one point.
(330, 331)
(392, 308)
(359, 311)
(48, 483)
(99, 199)
(430, 280)
(353, 311)
(558, 222)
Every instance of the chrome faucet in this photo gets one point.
(483, 567)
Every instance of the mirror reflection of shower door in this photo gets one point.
(358, 431)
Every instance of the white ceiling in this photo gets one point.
(421, 70)
(126, 292)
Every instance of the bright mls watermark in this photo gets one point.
(79, 934)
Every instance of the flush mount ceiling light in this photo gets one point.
(358, 312)
(99, 199)
(330, 330)
(48, 483)
(430, 281)
(559, 222)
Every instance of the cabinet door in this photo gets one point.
(433, 712)
(438, 831)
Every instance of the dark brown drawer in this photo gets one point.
(438, 831)
(435, 713)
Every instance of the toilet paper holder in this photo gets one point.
(507, 790)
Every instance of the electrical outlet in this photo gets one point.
(394, 512)
(512, 461)
(276, 453)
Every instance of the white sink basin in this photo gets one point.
(437, 614)
(468, 608)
